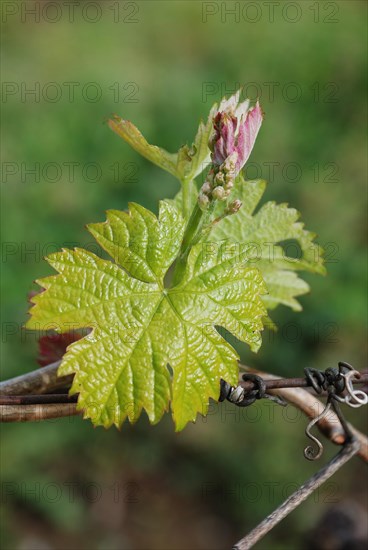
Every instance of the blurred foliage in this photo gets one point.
(159, 489)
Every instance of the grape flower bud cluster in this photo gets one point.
(235, 131)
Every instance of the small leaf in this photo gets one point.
(140, 327)
(258, 238)
(130, 133)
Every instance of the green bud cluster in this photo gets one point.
(219, 182)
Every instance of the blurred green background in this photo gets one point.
(162, 65)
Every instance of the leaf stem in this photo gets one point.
(192, 235)
(186, 197)
(190, 232)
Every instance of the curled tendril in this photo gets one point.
(355, 398)
(315, 452)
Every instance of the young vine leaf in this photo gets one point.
(139, 326)
(273, 240)
(130, 133)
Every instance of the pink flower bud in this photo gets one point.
(235, 136)
(248, 130)
(223, 142)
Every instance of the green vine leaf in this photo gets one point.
(258, 238)
(139, 327)
(130, 133)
